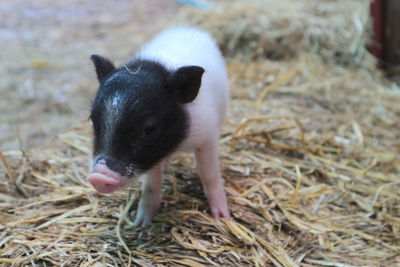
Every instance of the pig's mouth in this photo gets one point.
(105, 180)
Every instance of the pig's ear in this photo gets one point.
(103, 66)
(185, 83)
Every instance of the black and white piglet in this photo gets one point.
(172, 96)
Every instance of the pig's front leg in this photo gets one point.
(208, 169)
(151, 195)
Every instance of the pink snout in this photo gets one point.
(103, 179)
(102, 183)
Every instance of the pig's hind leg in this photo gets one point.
(151, 195)
(208, 169)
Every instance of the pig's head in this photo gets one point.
(138, 118)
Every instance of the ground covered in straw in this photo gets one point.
(310, 159)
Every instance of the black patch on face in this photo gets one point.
(146, 121)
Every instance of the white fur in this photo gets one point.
(183, 46)
(116, 99)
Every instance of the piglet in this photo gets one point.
(171, 96)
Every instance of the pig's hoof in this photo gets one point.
(147, 209)
(220, 211)
(217, 200)
(143, 218)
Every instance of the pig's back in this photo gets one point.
(183, 46)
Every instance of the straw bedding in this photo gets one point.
(336, 30)
(310, 159)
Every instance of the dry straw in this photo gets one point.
(336, 30)
(310, 159)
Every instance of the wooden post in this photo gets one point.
(377, 12)
(391, 53)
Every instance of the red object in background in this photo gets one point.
(377, 13)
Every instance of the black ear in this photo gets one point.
(185, 83)
(103, 66)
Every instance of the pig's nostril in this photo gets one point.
(101, 160)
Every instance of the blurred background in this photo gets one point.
(47, 78)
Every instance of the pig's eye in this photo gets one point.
(149, 130)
